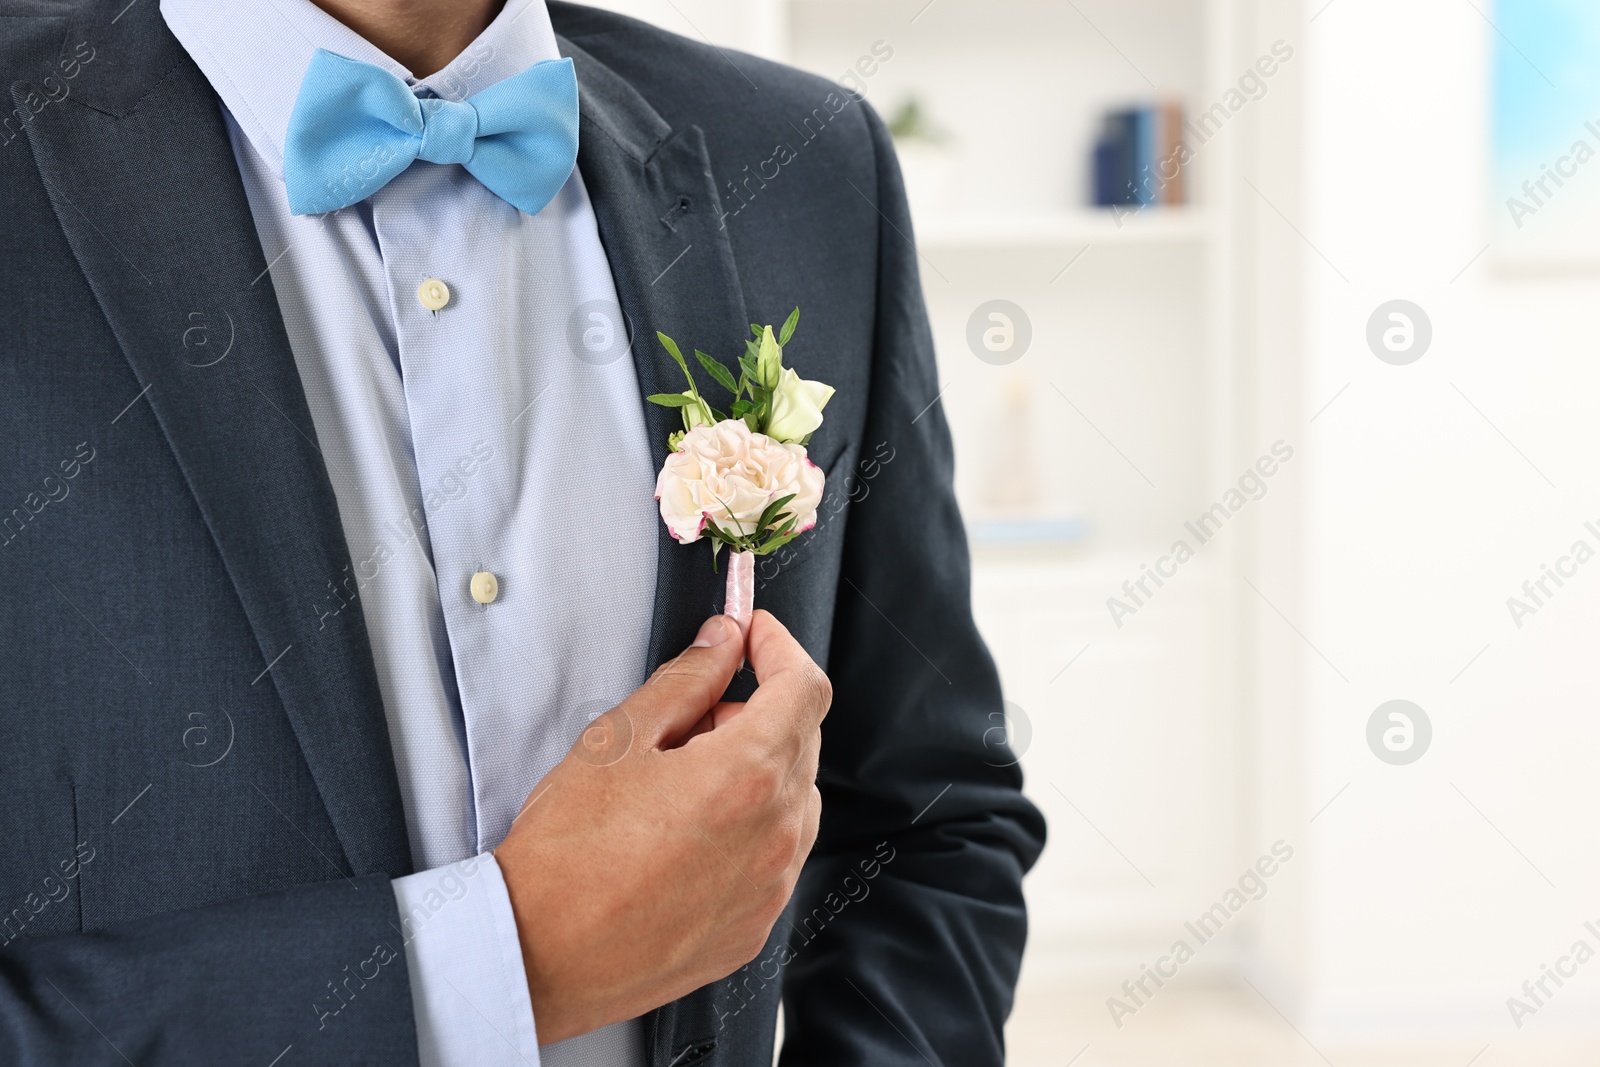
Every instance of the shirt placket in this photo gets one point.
(444, 331)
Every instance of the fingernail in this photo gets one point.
(713, 631)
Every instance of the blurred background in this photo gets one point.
(1267, 335)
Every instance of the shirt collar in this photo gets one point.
(255, 54)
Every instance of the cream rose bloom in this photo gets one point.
(728, 475)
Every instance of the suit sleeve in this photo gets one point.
(312, 975)
(924, 827)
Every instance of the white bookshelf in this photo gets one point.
(1127, 403)
(1063, 229)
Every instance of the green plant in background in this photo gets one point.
(910, 122)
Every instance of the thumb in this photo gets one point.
(684, 688)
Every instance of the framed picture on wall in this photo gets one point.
(1546, 134)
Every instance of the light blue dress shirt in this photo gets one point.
(502, 433)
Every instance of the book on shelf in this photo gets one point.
(1138, 159)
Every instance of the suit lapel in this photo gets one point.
(143, 180)
(654, 199)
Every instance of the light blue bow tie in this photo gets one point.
(356, 126)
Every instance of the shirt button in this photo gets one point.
(485, 587)
(433, 294)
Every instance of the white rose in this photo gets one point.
(727, 475)
(796, 407)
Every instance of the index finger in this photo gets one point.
(792, 695)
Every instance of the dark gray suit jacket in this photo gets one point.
(200, 812)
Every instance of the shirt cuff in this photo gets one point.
(468, 989)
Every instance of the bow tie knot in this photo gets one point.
(449, 131)
(356, 127)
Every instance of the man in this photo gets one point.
(332, 571)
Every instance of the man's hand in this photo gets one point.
(657, 855)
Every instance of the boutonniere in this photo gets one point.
(743, 479)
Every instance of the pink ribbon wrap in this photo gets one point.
(740, 600)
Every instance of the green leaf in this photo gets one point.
(729, 511)
(771, 511)
(723, 376)
(672, 349)
(747, 362)
(755, 329)
(788, 327)
(670, 400)
(775, 543)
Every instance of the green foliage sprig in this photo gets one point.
(760, 371)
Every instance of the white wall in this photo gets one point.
(1416, 520)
